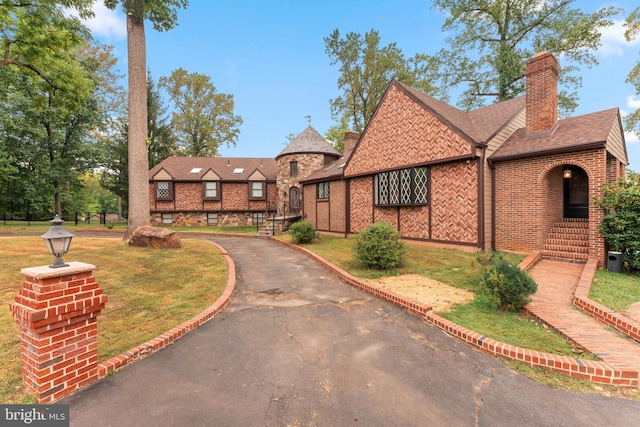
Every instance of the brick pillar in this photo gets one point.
(57, 310)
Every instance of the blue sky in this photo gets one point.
(270, 55)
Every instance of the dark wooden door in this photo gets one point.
(294, 201)
(576, 194)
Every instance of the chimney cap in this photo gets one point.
(542, 52)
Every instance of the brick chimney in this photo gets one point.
(542, 92)
(350, 140)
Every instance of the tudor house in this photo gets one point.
(202, 191)
(508, 176)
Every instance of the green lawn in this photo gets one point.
(150, 291)
(615, 291)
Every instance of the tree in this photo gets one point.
(491, 41)
(336, 134)
(161, 141)
(632, 121)
(163, 16)
(366, 70)
(202, 118)
(115, 175)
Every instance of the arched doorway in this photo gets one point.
(576, 192)
(294, 200)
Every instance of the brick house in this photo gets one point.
(235, 191)
(212, 191)
(508, 176)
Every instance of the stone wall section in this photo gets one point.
(308, 163)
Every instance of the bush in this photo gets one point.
(506, 286)
(379, 246)
(621, 224)
(302, 232)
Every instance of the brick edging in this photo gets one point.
(605, 315)
(594, 371)
(143, 350)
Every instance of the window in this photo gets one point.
(212, 219)
(211, 190)
(323, 190)
(257, 218)
(164, 190)
(257, 190)
(167, 218)
(403, 187)
(293, 168)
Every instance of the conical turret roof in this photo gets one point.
(309, 141)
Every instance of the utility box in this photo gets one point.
(614, 262)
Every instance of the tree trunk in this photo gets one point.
(137, 144)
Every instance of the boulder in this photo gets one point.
(152, 237)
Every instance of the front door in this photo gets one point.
(576, 194)
(294, 201)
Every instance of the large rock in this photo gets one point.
(151, 237)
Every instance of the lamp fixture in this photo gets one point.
(567, 173)
(57, 240)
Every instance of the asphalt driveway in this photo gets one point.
(298, 347)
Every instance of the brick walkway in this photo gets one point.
(552, 303)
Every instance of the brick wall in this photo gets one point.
(338, 205)
(322, 210)
(404, 133)
(309, 204)
(361, 203)
(529, 197)
(187, 196)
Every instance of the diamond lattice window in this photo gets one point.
(163, 190)
(403, 187)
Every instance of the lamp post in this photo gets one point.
(57, 240)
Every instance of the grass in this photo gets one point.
(615, 291)
(150, 292)
(458, 269)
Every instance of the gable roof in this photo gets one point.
(309, 141)
(572, 134)
(478, 125)
(179, 168)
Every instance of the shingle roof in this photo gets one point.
(330, 171)
(479, 125)
(309, 141)
(572, 134)
(180, 168)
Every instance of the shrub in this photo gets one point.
(506, 286)
(621, 224)
(379, 246)
(486, 257)
(302, 232)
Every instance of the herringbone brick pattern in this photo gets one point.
(309, 203)
(337, 206)
(323, 215)
(454, 202)
(414, 222)
(386, 214)
(361, 203)
(403, 133)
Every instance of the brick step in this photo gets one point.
(561, 240)
(570, 230)
(571, 225)
(568, 237)
(567, 248)
(565, 256)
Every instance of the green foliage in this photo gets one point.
(302, 232)
(161, 140)
(366, 69)
(632, 121)
(505, 286)
(202, 119)
(491, 40)
(621, 224)
(379, 246)
(485, 257)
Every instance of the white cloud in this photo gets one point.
(633, 102)
(631, 138)
(107, 24)
(613, 40)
